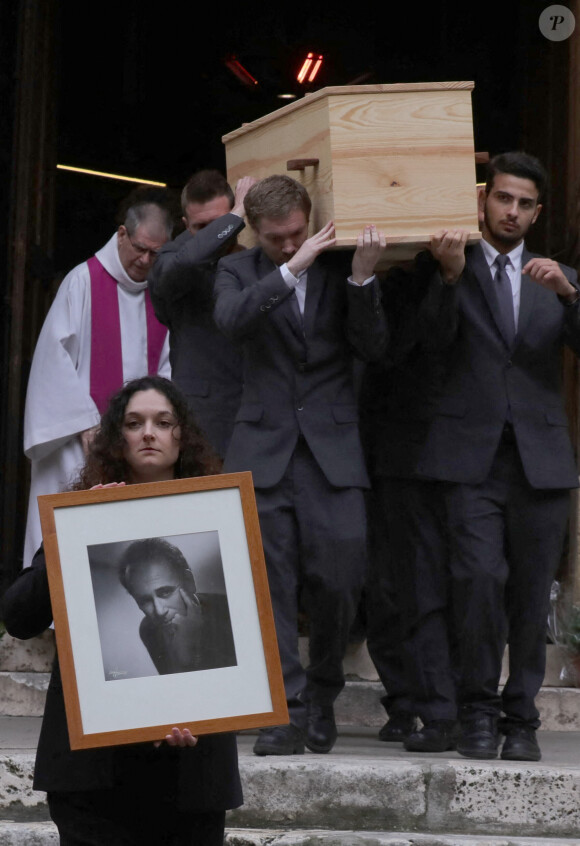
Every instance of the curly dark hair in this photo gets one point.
(105, 462)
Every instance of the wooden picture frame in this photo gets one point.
(144, 649)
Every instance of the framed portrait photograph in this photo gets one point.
(161, 610)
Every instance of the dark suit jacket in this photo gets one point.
(297, 375)
(398, 394)
(202, 778)
(205, 365)
(486, 377)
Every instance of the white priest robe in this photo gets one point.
(58, 401)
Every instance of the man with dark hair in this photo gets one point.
(499, 441)
(100, 332)
(182, 629)
(277, 197)
(205, 365)
(206, 192)
(299, 321)
(517, 164)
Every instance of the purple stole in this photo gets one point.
(106, 352)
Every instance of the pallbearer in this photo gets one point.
(299, 320)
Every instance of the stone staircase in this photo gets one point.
(365, 793)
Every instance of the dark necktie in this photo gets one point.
(505, 298)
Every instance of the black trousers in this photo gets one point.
(506, 542)
(122, 817)
(314, 538)
(408, 598)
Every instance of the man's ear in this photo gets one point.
(537, 212)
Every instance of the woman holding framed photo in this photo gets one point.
(177, 790)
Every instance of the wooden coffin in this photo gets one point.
(400, 156)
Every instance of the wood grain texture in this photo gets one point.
(399, 156)
(350, 89)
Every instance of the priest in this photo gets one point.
(100, 332)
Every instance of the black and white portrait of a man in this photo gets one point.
(182, 627)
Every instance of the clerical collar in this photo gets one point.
(109, 258)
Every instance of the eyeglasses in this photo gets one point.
(143, 251)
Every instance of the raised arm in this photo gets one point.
(176, 271)
(438, 314)
(366, 324)
(242, 303)
(241, 308)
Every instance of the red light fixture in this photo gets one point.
(310, 68)
(236, 67)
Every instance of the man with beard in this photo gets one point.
(499, 440)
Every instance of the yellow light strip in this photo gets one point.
(110, 175)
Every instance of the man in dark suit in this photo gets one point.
(499, 440)
(204, 364)
(406, 590)
(299, 321)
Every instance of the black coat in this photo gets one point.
(205, 365)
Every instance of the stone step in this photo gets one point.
(28, 833)
(36, 655)
(45, 834)
(22, 695)
(315, 837)
(365, 785)
(560, 671)
(359, 705)
(32, 656)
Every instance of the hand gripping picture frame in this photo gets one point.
(161, 609)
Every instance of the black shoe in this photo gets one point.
(479, 737)
(520, 744)
(435, 736)
(321, 730)
(280, 740)
(398, 727)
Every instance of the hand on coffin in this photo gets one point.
(243, 185)
(447, 246)
(311, 249)
(370, 246)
